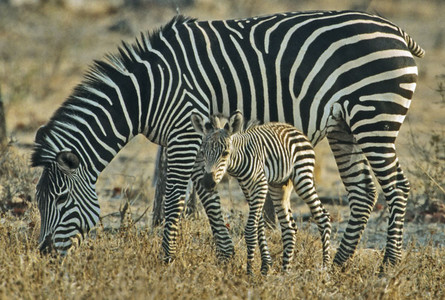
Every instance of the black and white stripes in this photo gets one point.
(274, 157)
(346, 75)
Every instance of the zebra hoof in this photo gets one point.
(224, 257)
(265, 267)
(168, 259)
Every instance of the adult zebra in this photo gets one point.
(346, 75)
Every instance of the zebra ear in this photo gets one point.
(198, 123)
(208, 126)
(67, 161)
(236, 121)
(41, 132)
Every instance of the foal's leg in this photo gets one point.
(266, 260)
(305, 188)
(280, 196)
(212, 205)
(255, 193)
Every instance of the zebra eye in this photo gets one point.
(225, 153)
(61, 199)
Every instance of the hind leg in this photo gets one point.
(266, 260)
(356, 176)
(280, 196)
(381, 154)
(374, 116)
(396, 188)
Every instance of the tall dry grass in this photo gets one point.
(125, 264)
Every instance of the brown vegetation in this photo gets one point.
(124, 264)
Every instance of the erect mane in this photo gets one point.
(154, 38)
(142, 45)
(44, 149)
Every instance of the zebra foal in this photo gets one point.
(264, 158)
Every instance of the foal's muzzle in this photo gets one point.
(208, 182)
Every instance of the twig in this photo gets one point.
(143, 214)
(431, 178)
(112, 214)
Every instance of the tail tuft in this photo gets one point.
(413, 47)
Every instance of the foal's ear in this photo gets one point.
(235, 124)
(197, 122)
(201, 125)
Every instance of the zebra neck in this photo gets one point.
(238, 154)
(95, 123)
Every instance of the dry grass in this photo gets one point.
(44, 51)
(125, 263)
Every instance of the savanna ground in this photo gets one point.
(46, 46)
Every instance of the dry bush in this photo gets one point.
(17, 181)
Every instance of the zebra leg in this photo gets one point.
(384, 162)
(256, 196)
(180, 163)
(280, 196)
(305, 188)
(175, 191)
(212, 205)
(355, 173)
(266, 260)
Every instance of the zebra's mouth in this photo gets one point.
(46, 246)
(59, 246)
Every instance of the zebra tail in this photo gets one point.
(413, 47)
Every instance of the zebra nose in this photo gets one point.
(207, 182)
(46, 246)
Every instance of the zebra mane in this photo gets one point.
(143, 45)
(220, 120)
(45, 149)
(251, 124)
(153, 40)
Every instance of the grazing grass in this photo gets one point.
(123, 260)
(125, 263)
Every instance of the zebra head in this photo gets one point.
(66, 216)
(216, 145)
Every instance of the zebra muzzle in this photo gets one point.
(46, 246)
(207, 182)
